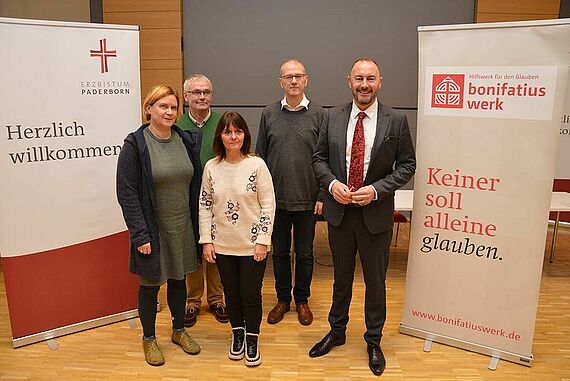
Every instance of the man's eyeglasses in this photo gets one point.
(198, 93)
(289, 78)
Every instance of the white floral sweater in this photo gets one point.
(237, 206)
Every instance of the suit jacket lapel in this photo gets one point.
(382, 123)
(343, 129)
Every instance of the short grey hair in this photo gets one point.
(196, 77)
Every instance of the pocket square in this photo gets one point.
(389, 138)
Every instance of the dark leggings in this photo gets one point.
(242, 278)
(148, 296)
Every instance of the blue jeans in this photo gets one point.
(303, 224)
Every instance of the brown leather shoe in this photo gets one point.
(220, 312)
(305, 315)
(191, 315)
(277, 313)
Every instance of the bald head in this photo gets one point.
(293, 80)
(364, 82)
(292, 62)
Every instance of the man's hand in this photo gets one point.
(341, 193)
(363, 196)
(209, 253)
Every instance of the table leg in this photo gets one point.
(554, 234)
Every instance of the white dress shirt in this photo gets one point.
(369, 124)
(198, 124)
(303, 105)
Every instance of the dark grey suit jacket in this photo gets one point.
(392, 164)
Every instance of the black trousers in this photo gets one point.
(303, 224)
(148, 296)
(242, 278)
(374, 249)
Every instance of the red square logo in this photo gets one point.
(447, 90)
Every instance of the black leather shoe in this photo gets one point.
(325, 345)
(376, 360)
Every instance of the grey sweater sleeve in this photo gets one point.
(261, 145)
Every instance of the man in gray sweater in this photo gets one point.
(288, 133)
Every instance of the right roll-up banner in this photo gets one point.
(490, 101)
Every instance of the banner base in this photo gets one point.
(503, 355)
(52, 344)
(494, 363)
(62, 331)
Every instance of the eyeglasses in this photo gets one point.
(198, 93)
(289, 78)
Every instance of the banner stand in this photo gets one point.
(63, 241)
(489, 112)
(494, 363)
(495, 354)
(50, 335)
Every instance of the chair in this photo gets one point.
(398, 218)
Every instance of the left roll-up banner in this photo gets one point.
(70, 93)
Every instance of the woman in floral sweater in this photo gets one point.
(237, 206)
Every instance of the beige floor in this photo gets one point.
(113, 352)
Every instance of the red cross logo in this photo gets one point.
(447, 90)
(103, 54)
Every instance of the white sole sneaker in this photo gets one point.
(252, 361)
(233, 355)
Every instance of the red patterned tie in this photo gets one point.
(356, 171)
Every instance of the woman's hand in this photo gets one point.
(318, 208)
(144, 249)
(208, 252)
(259, 252)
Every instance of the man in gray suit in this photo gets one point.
(363, 155)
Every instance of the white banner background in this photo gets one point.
(45, 74)
(484, 299)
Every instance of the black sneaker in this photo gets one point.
(252, 356)
(237, 347)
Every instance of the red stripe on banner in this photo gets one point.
(73, 284)
(561, 185)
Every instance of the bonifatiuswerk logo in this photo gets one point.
(514, 92)
(447, 90)
(103, 53)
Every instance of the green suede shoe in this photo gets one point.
(185, 341)
(152, 352)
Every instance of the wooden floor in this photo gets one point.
(113, 352)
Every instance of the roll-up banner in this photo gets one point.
(563, 163)
(70, 93)
(489, 108)
(562, 181)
